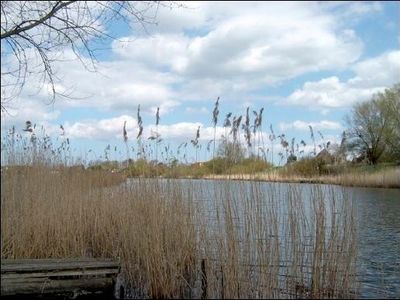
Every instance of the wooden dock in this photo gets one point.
(73, 277)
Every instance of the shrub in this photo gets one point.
(306, 167)
(249, 165)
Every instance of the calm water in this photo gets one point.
(377, 212)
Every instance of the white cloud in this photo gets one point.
(371, 76)
(24, 109)
(194, 110)
(304, 126)
(213, 49)
(111, 128)
(203, 50)
(271, 48)
(383, 70)
(122, 86)
(182, 130)
(116, 86)
(104, 129)
(243, 47)
(353, 12)
(166, 50)
(171, 17)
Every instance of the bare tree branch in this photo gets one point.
(46, 28)
(33, 23)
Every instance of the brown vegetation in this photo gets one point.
(384, 178)
(167, 237)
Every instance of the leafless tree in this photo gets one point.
(34, 35)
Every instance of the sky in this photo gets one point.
(305, 63)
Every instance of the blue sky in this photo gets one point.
(305, 63)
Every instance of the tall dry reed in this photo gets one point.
(58, 213)
(278, 242)
(181, 238)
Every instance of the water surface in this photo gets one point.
(376, 210)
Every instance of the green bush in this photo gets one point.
(142, 167)
(217, 165)
(306, 167)
(249, 165)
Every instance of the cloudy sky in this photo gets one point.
(305, 63)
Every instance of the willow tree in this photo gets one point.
(374, 127)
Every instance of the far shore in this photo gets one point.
(387, 178)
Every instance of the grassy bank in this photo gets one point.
(303, 171)
(381, 178)
(218, 166)
(184, 239)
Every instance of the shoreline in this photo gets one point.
(382, 179)
(386, 178)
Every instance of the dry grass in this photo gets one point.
(248, 241)
(182, 238)
(65, 214)
(385, 178)
(267, 243)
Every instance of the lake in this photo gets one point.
(376, 212)
(378, 241)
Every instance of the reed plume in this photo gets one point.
(139, 140)
(195, 142)
(246, 128)
(215, 121)
(125, 136)
(313, 139)
(124, 133)
(272, 138)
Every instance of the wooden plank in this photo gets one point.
(63, 273)
(56, 265)
(51, 260)
(54, 286)
(45, 280)
(36, 276)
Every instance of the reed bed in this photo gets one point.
(267, 243)
(44, 216)
(180, 238)
(385, 178)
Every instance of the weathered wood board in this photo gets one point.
(57, 276)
